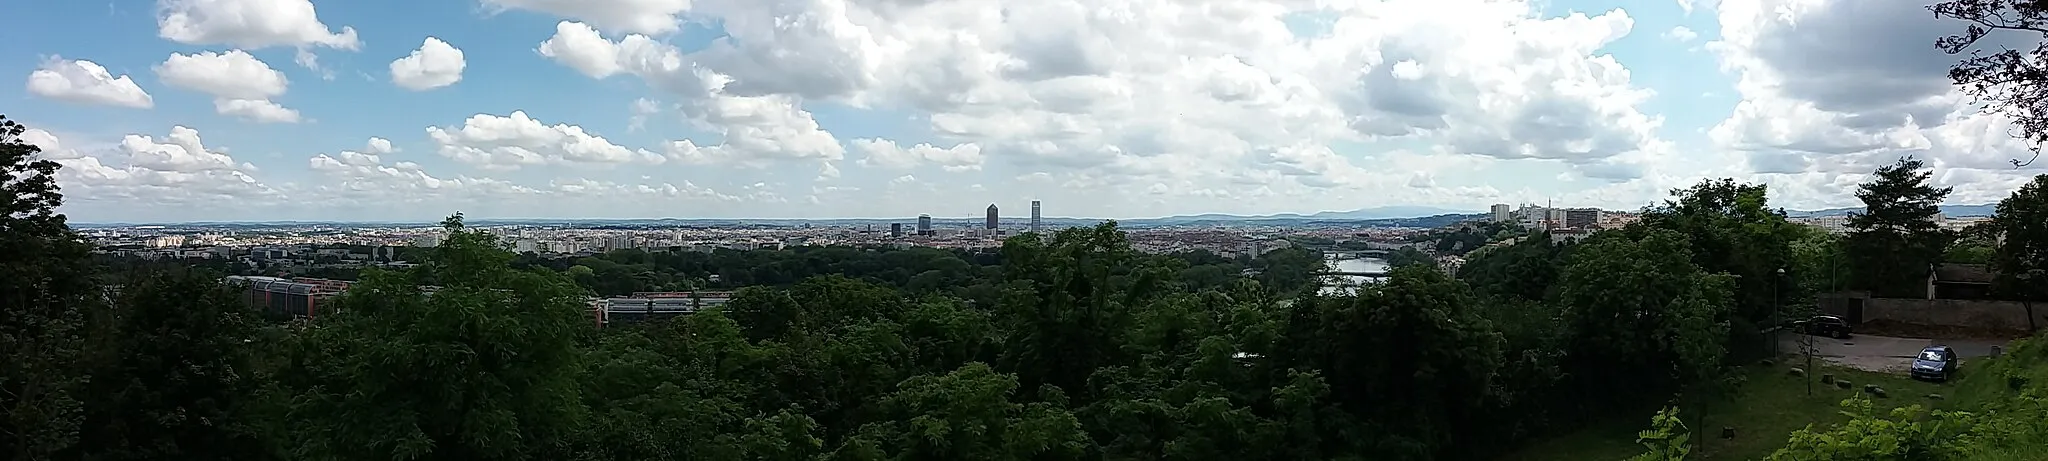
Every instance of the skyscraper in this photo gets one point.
(1034, 216)
(924, 224)
(991, 216)
(895, 229)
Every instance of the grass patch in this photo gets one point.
(1769, 406)
(1987, 379)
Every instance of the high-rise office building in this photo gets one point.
(1034, 216)
(1501, 212)
(991, 216)
(924, 224)
(895, 229)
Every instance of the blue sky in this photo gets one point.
(1139, 109)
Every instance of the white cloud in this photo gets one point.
(52, 148)
(144, 174)
(435, 64)
(632, 16)
(380, 146)
(643, 108)
(510, 142)
(1839, 88)
(365, 180)
(242, 86)
(86, 82)
(256, 110)
(1681, 34)
(249, 24)
(232, 75)
(1063, 86)
(886, 154)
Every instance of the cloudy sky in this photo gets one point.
(400, 110)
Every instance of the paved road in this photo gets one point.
(1880, 353)
(1885, 346)
(1856, 346)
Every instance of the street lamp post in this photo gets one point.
(1777, 312)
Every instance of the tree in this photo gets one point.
(1409, 256)
(2021, 228)
(172, 373)
(1896, 241)
(1643, 320)
(967, 414)
(2011, 82)
(46, 290)
(482, 367)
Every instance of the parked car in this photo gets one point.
(1823, 325)
(1935, 363)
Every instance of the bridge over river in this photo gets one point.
(1354, 273)
(1335, 255)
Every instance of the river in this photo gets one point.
(1341, 283)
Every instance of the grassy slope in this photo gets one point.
(1769, 407)
(1773, 404)
(1987, 383)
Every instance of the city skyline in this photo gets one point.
(342, 111)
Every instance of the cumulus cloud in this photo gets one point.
(514, 141)
(630, 16)
(434, 65)
(887, 154)
(1839, 87)
(249, 24)
(1078, 89)
(363, 178)
(241, 85)
(256, 110)
(143, 172)
(86, 82)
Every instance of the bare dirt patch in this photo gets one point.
(1874, 364)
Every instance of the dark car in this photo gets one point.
(1823, 325)
(1935, 364)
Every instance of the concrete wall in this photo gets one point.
(2000, 315)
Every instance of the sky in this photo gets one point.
(256, 110)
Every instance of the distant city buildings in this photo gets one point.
(1551, 219)
(287, 298)
(1581, 218)
(1839, 224)
(1617, 220)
